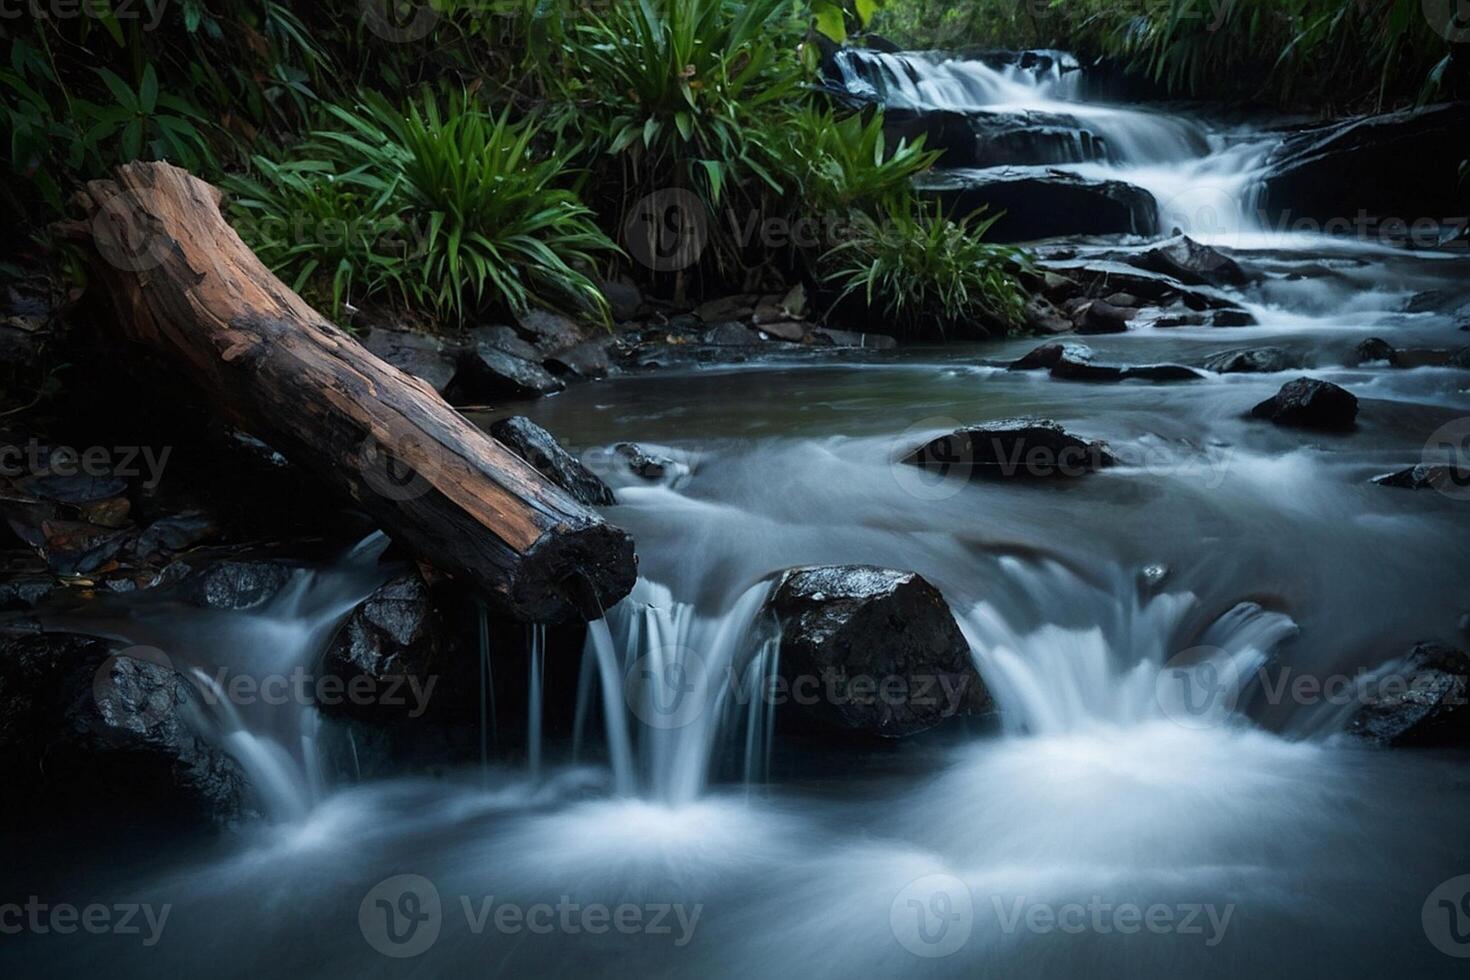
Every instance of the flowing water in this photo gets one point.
(1254, 837)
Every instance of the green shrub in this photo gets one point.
(845, 163)
(454, 209)
(927, 270)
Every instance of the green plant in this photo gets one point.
(495, 224)
(847, 163)
(925, 269)
(335, 243)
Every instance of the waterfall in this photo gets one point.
(690, 686)
(534, 699)
(1129, 665)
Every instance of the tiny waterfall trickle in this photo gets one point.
(599, 637)
(535, 698)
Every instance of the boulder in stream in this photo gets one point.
(1252, 360)
(489, 374)
(1012, 449)
(1443, 477)
(1308, 403)
(1040, 202)
(109, 738)
(873, 650)
(1187, 260)
(539, 448)
(1420, 700)
(384, 656)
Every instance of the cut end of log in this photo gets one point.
(574, 575)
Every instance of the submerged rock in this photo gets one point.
(1046, 356)
(1444, 478)
(539, 448)
(873, 650)
(488, 374)
(1012, 449)
(236, 583)
(1101, 317)
(1187, 260)
(1372, 349)
(1421, 700)
(643, 463)
(1308, 403)
(1254, 360)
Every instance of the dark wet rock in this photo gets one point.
(487, 374)
(548, 332)
(69, 547)
(1232, 318)
(1373, 349)
(25, 592)
(1042, 316)
(539, 448)
(1042, 203)
(880, 649)
(1187, 260)
(1444, 478)
(1417, 357)
(71, 488)
(1253, 360)
(643, 463)
(428, 358)
(235, 583)
(1161, 373)
(826, 336)
(1404, 164)
(738, 307)
(793, 331)
(1100, 317)
(623, 296)
(175, 533)
(731, 334)
(588, 359)
(1166, 320)
(503, 338)
(1420, 700)
(110, 738)
(1046, 356)
(1076, 366)
(386, 653)
(1011, 449)
(1126, 300)
(1308, 403)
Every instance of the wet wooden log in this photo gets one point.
(185, 285)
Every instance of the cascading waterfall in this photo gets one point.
(1205, 179)
(689, 685)
(1122, 669)
(534, 699)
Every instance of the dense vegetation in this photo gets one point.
(458, 158)
(1314, 54)
(467, 158)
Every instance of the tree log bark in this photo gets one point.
(185, 285)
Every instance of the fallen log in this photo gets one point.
(185, 285)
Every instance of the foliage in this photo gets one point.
(1320, 52)
(844, 163)
(491, 223)
(925, 268)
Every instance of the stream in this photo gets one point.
(1096, 829)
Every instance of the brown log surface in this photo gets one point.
(186, 286)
